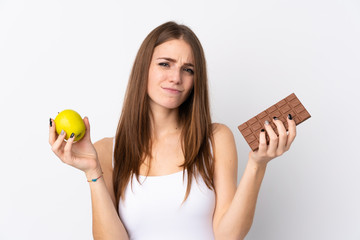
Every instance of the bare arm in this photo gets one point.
(92, 160)
(106, 222)
(235, 206)
(237, 220)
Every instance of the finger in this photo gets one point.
(67, 149)
(273, 143)
(262, 143)
(282, 135)
(59, 143)
(52, 132)
(292, 132)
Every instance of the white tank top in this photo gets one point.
(152, 210)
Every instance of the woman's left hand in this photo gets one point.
(277, 144)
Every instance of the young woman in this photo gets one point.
(169, 172)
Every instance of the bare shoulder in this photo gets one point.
(105, 142)
(224, 143)
(224, 149)
(104, 149)
(221, 133)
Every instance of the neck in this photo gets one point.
(164, 121)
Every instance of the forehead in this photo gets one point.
(177, 49)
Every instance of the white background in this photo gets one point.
(77, 54)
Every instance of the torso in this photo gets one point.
(152, 208)
(169, 168)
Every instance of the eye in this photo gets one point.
(163, 64)
(189, 70)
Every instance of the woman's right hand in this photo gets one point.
(81, 155)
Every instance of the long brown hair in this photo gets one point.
(133, 136)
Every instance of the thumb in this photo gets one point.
(87, 125)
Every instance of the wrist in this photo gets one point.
(93, 173)
(257, 165)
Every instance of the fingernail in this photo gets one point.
(267, 122)
(290, 117)
(263, 130)
(50, 123)
(275, 118)
(72, 135)
(62, 132)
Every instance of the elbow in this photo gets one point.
(238, 233)
(229, 237)
(101, 236)
(220, 236)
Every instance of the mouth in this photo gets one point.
(172, 90)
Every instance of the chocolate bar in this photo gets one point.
(289, 105)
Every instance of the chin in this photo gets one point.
(170, 105)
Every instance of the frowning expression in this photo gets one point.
(171, 74)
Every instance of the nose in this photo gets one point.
(175, 76)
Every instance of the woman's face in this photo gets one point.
(171, 74)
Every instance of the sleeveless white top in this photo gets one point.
(153, 210)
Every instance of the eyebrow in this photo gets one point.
(173, 60)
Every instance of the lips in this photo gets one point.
(172, 90)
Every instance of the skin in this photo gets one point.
(170, 83)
